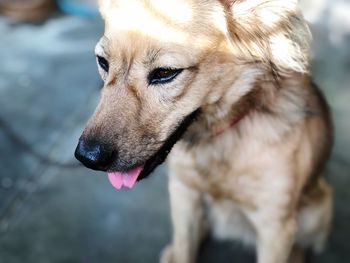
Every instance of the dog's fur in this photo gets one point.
(250, 166)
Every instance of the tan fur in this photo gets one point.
(245, 60)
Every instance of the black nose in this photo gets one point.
(94, 155)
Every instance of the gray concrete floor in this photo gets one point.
(48, 88)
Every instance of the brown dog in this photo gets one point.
(228, 83)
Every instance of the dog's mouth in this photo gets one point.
(128, 179)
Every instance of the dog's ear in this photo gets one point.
(270, 31)
(104, 6)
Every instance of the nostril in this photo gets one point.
(94, 155)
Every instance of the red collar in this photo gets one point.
(217, 132)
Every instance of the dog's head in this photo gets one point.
(164, 62)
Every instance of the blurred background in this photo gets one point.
(53, 210)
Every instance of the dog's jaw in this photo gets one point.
(129, 178)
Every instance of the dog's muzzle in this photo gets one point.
(100, 157)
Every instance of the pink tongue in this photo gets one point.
(127, 179)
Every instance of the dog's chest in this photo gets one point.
(224, 169)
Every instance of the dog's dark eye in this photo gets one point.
(163, 75)
(103, 63)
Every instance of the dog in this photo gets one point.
(222, 90)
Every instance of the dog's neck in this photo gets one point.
(282, 105)
(210, 126)
(216, 120)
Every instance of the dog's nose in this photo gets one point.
(93, 155)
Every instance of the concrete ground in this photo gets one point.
(51, 213)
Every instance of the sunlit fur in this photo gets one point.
(250, 167)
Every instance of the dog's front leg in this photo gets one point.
(275, 239)
(187, 218)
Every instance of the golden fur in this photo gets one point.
(259, 180)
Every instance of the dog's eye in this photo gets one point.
(163, 75)
(103, 63)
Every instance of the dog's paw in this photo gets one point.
(166, 255)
